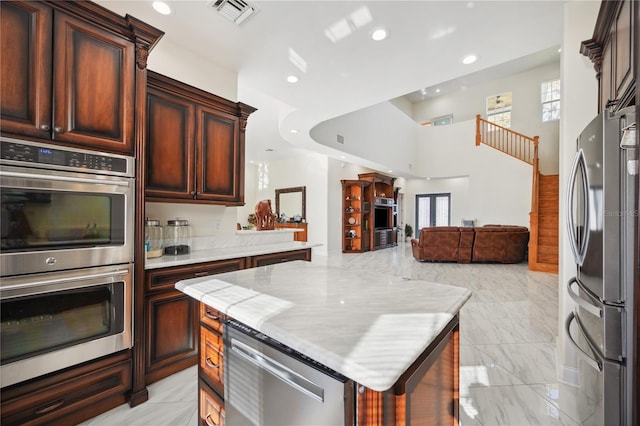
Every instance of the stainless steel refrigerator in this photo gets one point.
(601, 214)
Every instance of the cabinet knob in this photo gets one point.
(45, 127)
(58, 129)
(193, 192)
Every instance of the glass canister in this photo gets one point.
(153, 238)
(177, 237)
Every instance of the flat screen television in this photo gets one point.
(381, 218)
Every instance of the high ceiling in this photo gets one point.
(341, 69)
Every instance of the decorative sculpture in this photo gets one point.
(265, 216)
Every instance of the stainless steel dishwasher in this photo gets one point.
(268, 383)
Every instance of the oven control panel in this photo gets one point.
(77, 159)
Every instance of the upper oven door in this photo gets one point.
(55, 220)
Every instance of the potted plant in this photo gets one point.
(408, 231)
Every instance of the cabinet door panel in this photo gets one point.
(94, 88)
(606, 92)
(172, 339)
(218, 156)
(624, 48)
(170, 151)
(25, 66)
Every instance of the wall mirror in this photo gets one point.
(291, 202)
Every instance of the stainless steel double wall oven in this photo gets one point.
(66, 257)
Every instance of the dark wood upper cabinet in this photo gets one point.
(169, 148)
(194, 146)
(69, 73)
(218, 156)
(93, 86)
(612, 49)
(26, 41)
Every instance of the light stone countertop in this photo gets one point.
(224, 253)
(368, 327)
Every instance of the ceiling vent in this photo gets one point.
(237, 11)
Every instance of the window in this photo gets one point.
(499, 110)
(439, 121)
(432, 210)
(550, 98)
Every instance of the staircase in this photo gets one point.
(543, 253)
(543, 219)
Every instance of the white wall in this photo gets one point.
(307, 169)
(457, 187)
(579, 106)
(499, 186)
(189, 67)
(526, 112)
(381, 133)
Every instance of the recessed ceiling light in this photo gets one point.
(469, 59)
(293, 78)
(379, 34)
(343, 157)
(294, 131)
(437, 90)
(559, 49)
(389, 171)
(161, 7)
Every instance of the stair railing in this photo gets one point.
(506, 140)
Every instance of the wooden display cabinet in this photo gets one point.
(383, 216)
(356, 216)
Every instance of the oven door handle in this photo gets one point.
(62, 178)
(119, 272)
(278, 370)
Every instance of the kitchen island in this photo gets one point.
(396, 339)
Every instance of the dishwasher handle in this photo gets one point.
(278, 370)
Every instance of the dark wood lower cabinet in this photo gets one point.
(272, 259)
(172, 343)
(172, 317)
(172, 335)
(426, 394)
(71, 396)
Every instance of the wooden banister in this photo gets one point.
(512, 143)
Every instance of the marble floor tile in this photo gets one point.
(529, 362)
(511, 405)
(508, 332)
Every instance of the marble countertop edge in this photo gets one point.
(211, 255)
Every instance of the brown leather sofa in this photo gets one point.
(491, 243)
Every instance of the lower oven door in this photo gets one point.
(57, 320)
(267, 386)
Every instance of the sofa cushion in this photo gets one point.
(439, 243)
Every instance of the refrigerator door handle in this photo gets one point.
(592, 309)
(579, 164)
(595, 363)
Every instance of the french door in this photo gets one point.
(432, 210)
